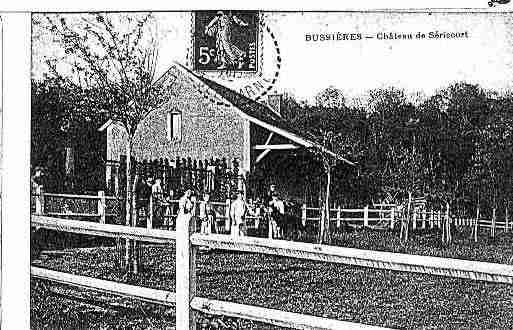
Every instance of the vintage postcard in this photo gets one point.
(256, 169)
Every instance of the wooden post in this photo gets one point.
(149, 223)
(414, 224)
(424, 219)
(494, 218)
(403, 235)
(185, 275)
(101, 206)
(40, 200)
(133, 246)
(227, 223)
(116, 181)
(476, 225)
(366, 216)
(506, 219)
(339, 213)
(431, 220)
(303, 215)
(392, 218)
(446, 226)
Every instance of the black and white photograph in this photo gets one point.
(257, 169)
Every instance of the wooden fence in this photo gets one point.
(109, 209)
(188, 242)
(99, 207)
(214, 176)
(420, 219)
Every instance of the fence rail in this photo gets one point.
(475, 270)
(185, 288)
(186, 249)
(209, 306)
(125, 290)
(104, 230)
(101, 207)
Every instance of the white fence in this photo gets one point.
(187, 244)
(100, 207)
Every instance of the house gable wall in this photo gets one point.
(208, 129)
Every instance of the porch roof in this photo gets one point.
(263, 116)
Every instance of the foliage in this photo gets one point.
(453, 147)
(115, 55)
(330, 98)
(56, 124)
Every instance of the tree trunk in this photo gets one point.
(128, 198)
(324, 232)
(69, 165)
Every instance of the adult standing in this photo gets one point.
(142, 198)
(205, 214)
(269, 194)
(185, 207)
(277, 209)
(157, 195)
(237, 212)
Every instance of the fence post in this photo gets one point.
(392, 217)
(185, 275)
(303, 215)
(431, 222)
(40, 200)
(447, 225)
(414, 224)
(227, 223)
(476, 225)
(101, 205)
(339, 213)
(366, 216)
(494, 217)
(149, 223)
(506, 220)
(424, 218)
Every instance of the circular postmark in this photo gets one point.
(228, 49)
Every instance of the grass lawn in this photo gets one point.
(362, 295)
(429, 243)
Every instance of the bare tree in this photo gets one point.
(116, 56)
(330, 146)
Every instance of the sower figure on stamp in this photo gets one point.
(221, 27)
(237, 213)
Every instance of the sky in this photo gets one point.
(481, 53)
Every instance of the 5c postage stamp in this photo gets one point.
(226, 40)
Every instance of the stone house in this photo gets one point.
(204, 120)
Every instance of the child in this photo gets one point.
(205, 214)
(238, 210)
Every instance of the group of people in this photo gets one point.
(270, 208)
(189, 206)
(273, 210)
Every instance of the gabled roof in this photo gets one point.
(251, 110)
(261, 114)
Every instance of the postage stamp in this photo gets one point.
(226, 41)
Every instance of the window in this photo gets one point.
(174, 125)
